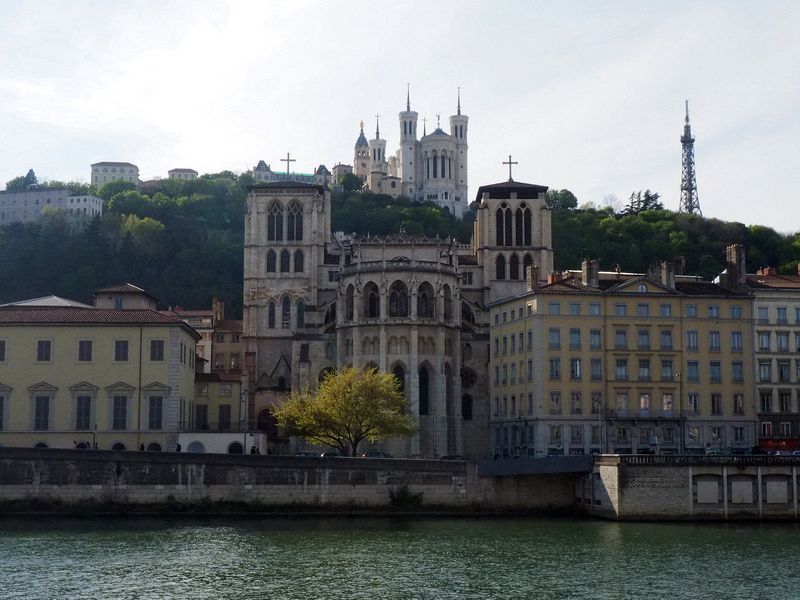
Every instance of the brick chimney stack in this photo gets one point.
(735, 264)
(590, 273)
(532, 277)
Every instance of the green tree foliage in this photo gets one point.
(561, 200)
(349, 407)
(639, 202)
(23, 182)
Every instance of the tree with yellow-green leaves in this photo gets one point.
(350, 406)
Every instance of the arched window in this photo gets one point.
(235, 448)
(500, 267)
(513, 267)
(275, 223)
(372, 305)
(499, 226)
(301, 314)
(398, 300)
(466, 407)
(425, 307)
(400, 374)
(330, 314)
(424, 392)
(443, 160)
(118, 446)
(467, 316)
(435, 166)
(448, 304)
(284, 261)
(527, 263)
(518, 226)
(348, 303)
(508, 225)
(298, 261)
(271, 315)
(271, 258)
(294, 222)
(527, 226)
(154, 447)
(286, 313)
(196, 448)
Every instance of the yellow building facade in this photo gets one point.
(92, 377)
(610, 362)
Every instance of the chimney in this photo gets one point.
(680, 265)
(735, 264)
(668, 274)
(554, 277)
(532, 277)
(590, 273)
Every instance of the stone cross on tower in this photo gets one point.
(509, 162)
(288, 162)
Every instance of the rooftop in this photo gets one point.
(114, 164)
(503, 191)
(47, 301)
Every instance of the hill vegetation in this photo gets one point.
(183, 240)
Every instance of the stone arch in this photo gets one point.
(154, 447)
(285, 259)
(330, 314)
(371, 302)
(500, 267)
(398, 299)
(425, 301)
(117, 446)
(271, 260)
(298, 261)
(196, 447)
(404, 346)
(513, 267)
(235, 448)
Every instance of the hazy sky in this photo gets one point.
(587, 96)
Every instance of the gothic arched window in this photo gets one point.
(448, 303)
(443, 161)
(400, 374)
(424, 391)
(285, 261)
(527, 263)
(425, 301)
(499, 226)
(275, 223)
(298, 261)
(513, 267)
(271, 315)
(271, 258)
(295, 223)
(527, 226)
(301, 314)
(372, 307)
(286, 313)
(508, 225)
(500, 267)
(518, 227)
(348, 303)
(398, 300)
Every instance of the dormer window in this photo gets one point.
(641, 288)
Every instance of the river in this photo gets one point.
(395, 558)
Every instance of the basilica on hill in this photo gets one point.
(431, 168)
(315, 299)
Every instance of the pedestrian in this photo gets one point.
(178, 447)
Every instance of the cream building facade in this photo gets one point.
(108, 171)
(182, 174)
(626, 363)
(27, 206)
(73, 376)
(413, 306)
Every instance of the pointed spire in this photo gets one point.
(458, 112)
(424, 126)
(362, 127)
(687, 112)
(408, 97)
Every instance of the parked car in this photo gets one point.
(331, 454)
(796, 453)
(375, 454)
(307, 453)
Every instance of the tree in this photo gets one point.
(561, 200)
(350, 406)
(22, 182)
(641, 201)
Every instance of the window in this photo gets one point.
(666, 370)
(764, 370)
(275, 223)
(736, 341)
(782, 339)
(554, 338)
(783, 371)
(763, 314)
(692, 371)
(271, 315)
(285, 261)
(620, 310)
(156, 350)
(694, 404)
(555, 403)
(765, 404)
(224, 417)
(643, 339)
(41, 415)
(713, 341)
(574, 309)
(43, 350)
(595, 339)
(782, 319)
(644, 369)
(513, 344)
(225, 390)
(85, 350)
(201, 416)
(716, 404)
(644, 404)
(2, 411)
(574, 368)
(713, 311)
(554, 308)
(622, 369)
(691, 310)
(575, 339)
(513, 374)
(298, 261)
(596, 369)
(505, 345)
(576, 434)
(785, 402)
(119, 413)
(271, 260)
(786, 429)
(505, 374)
(555, 434)
(622, 435)
(2, 351)
(530, 339)
(738, 434)
(666, 339)
(555, 368)
(295, 224)
(642, 310)
(530, 369)
(286, 312)
(621, 339)
(763, 341)
(736, 311)
(121, 350)
(597, 404)
(621, 405)
(666, 403)
(83, 413)
(715, 371)
(766, 429)
(737, 371)
(594, 309)
(738, 404)
(665, 310)
(692, 343)
(155, 412)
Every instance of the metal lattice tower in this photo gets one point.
(689, 200)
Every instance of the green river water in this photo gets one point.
(387, 558)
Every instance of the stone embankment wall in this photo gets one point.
(73, 476)
(691, 487)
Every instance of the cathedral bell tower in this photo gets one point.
(408, 148)
(361, 155)
(458, 130)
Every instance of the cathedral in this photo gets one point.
(315, 300)
(432, 168)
